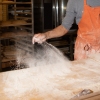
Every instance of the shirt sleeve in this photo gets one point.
(68, 20)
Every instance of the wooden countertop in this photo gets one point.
(32, 84)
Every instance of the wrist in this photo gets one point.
(47, 35)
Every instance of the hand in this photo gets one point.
(39, 38)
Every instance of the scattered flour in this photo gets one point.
(45, 63)
(48, 73)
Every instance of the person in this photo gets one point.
(87, 16)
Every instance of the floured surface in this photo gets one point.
(50, 76)
(37, 84)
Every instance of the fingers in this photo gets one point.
(39, 38)
(35, 38)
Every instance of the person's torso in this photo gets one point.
(80, 7)
(89, 24)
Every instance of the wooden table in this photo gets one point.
(35, 84)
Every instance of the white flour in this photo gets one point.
(44, 65)
(47, 75)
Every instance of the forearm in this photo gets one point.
(57, 32)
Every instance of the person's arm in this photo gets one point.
(60, 30)
(56, 32)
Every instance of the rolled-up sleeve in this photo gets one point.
(68, 20)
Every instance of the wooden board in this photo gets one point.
(4, 12)
(0, 12)
(35, 84)
(8, 63)
(11, 2)
(7, 35)
(14, 23)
